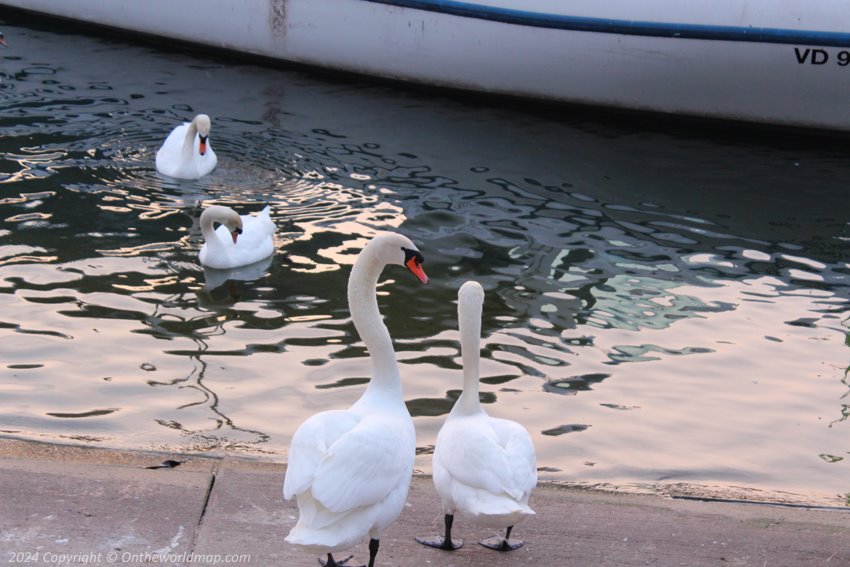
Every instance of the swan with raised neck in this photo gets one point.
(186, 153)
(350, 470)
(483, 467)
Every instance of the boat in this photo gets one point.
(761, 61)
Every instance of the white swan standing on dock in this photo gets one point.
(350, 470)
(238, 240)
(186, 152)
(484, 467)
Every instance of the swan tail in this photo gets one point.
(261, 225)
(502, 520)
(265, 221)
(495, 511)
(319, 530)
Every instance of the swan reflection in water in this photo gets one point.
(214, 278)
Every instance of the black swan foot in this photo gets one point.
(501, 544)
(445, 542)
(331, 562)
(439, 542)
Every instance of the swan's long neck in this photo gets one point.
(208, 230)
(189, 141)
(469, 321)
(363, 303)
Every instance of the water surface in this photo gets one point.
(667, 305)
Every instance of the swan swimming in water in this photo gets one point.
(484, 467)
(238, 241)
(350, 470)
(186, 152)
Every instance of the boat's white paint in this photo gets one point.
(750, 81)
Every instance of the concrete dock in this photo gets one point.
(65, 505)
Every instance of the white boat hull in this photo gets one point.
(700, 60)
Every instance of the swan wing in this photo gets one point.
(264, 220)
(366, 464)
(174, 141)
(519, 451)
(470, 451)
(309, 446)
(168, 157)
(257, 230)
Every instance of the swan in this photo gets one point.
(484, 467)
(238, 241)
(350, 470)
(186, 153)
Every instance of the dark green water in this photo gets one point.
(667, 306)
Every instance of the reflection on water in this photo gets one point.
(666, 308)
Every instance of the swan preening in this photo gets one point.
(350, 470)
(238, 241)
(186, 152)
(484, 467)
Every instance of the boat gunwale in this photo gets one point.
(625, 27)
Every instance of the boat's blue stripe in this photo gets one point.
(626, 27)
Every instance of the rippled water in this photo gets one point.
(667, 306)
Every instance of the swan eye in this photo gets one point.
(414, 255)
(413, 260)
